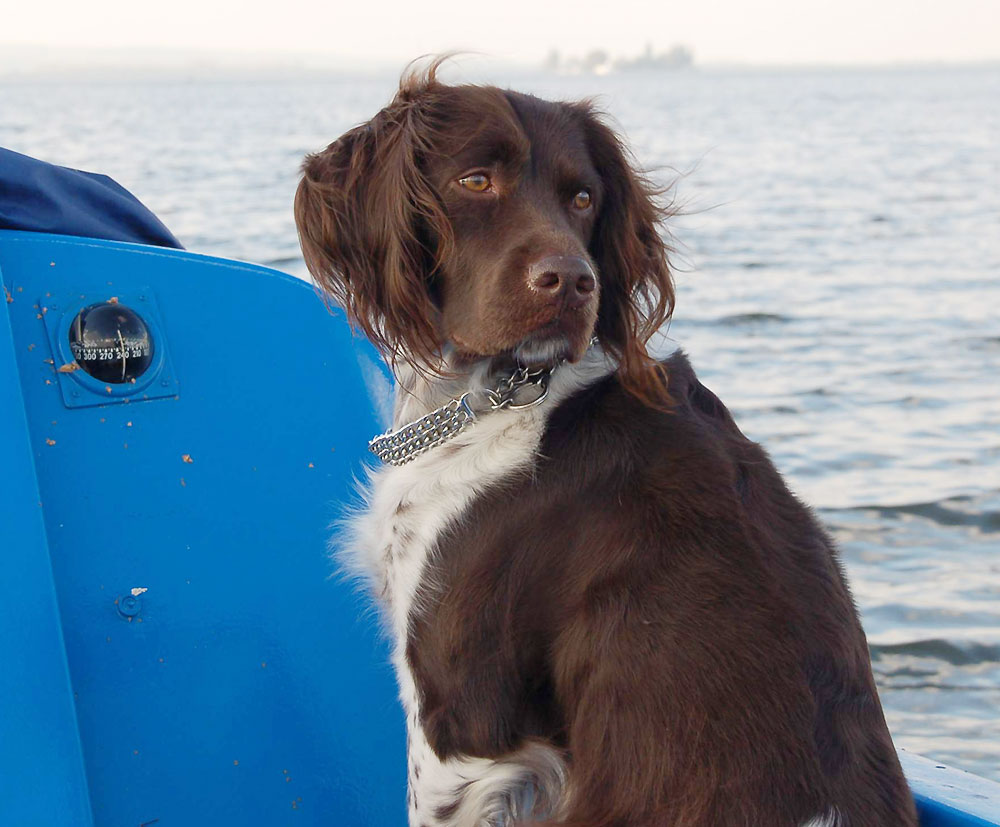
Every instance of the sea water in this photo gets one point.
(838, 286)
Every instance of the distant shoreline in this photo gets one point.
(44, 64)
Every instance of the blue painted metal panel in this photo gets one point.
(42, 779)
(245, 686)
(950, 798)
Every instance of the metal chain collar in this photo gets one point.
(505, 393)
(402, 445)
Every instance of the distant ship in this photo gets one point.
(599, 62)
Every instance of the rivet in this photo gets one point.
(129, 606)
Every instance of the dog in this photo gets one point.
(606, 607)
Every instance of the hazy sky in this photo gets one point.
(752, 31)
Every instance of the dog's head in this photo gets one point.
(491, 220)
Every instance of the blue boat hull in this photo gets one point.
(174, 645)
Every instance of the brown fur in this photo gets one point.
(651, 598)
(417, 263)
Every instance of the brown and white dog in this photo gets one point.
(607, 608)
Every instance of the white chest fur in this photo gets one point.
(390, 542)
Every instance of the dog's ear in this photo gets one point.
(373, 230)
(637, 290)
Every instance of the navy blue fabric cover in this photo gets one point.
(45, 198)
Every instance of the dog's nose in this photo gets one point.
(569, 278)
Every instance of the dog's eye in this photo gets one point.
(477, 182)
(581, 200)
